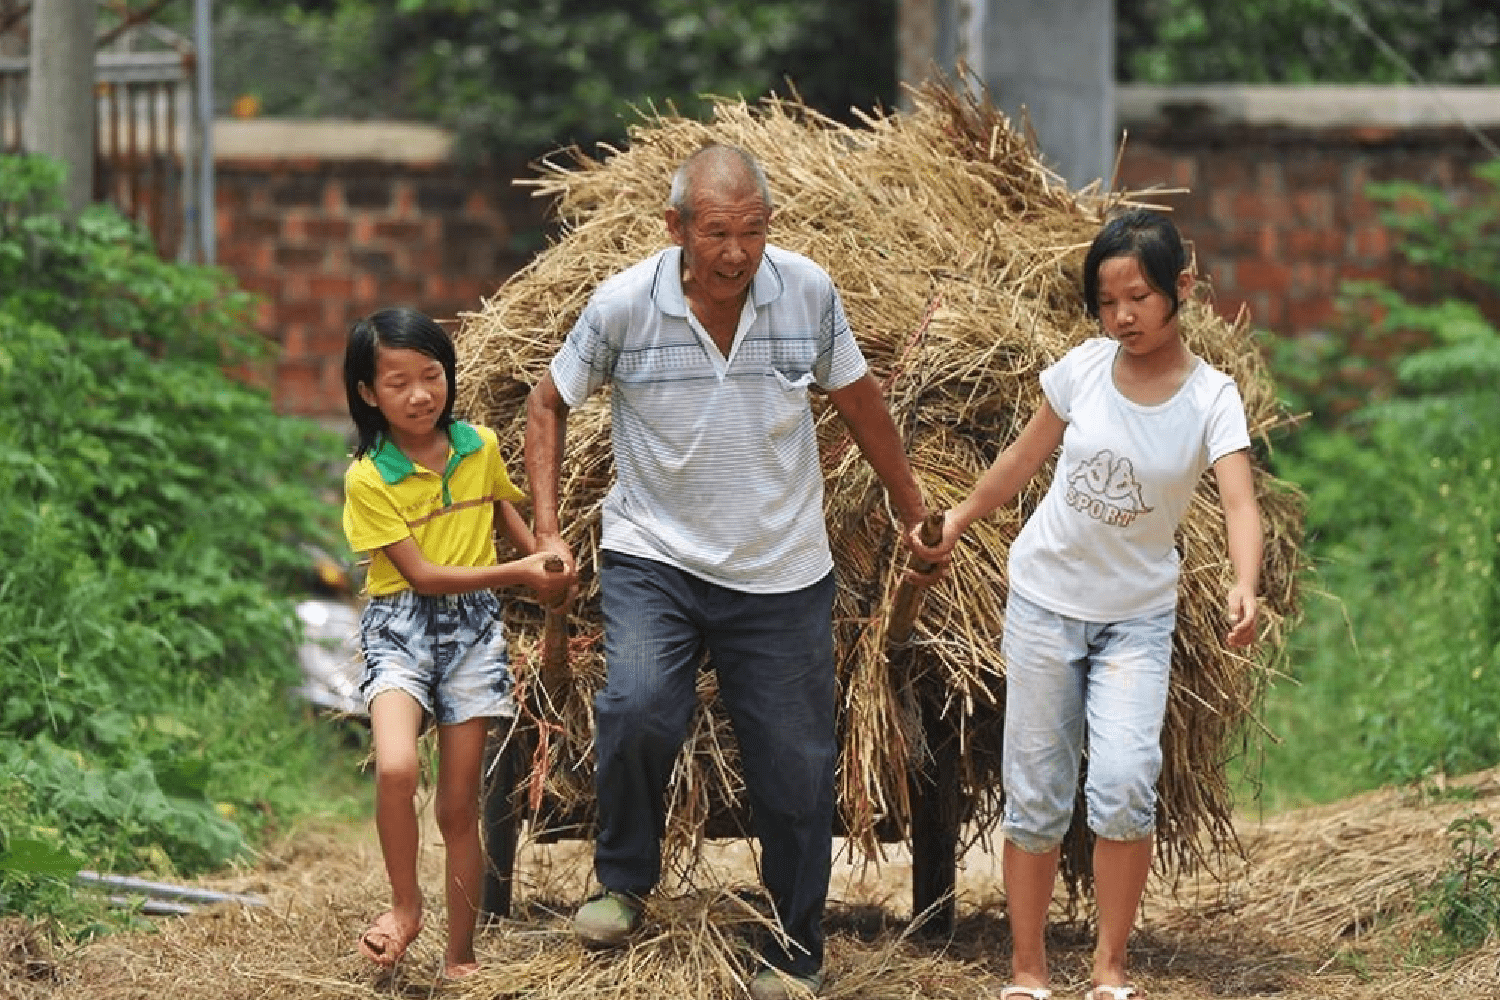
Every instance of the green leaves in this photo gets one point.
(1465, 897)
(519, 78)
(1308, 41)
(1401, 469)
(153, 513)
(36, 857)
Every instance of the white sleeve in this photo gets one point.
(1058, 382)
(840, 361)
(586, 358)
(1226, 430)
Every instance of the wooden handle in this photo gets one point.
(554, 668)
(909, 596)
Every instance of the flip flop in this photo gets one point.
(387, 940)
(1111, 993)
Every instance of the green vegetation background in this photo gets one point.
(152, 526)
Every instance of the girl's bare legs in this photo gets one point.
(460, 771)
(395, 721)
(1121, 868)
(1029, 879)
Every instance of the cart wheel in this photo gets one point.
(502, 823)
(936, 812)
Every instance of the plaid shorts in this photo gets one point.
(448, 652)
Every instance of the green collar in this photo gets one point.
(393, 465)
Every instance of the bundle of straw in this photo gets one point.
(958, 257)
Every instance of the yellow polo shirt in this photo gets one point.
(451, 516)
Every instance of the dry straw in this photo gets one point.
(957, 253)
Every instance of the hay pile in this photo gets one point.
(957, 254)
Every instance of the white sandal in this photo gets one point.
(1111, 993)
(1030, 992)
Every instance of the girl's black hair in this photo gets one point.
(393, 328)
(1149, 237)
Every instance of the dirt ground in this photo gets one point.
(1322, 906)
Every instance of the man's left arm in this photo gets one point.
(863, 409)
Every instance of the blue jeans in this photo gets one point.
(773, 654)
(1067, 680)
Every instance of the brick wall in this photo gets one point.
(327, 222)
(325, 239)
(1276, 203)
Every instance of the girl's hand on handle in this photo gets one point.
(546, 573)
(931, 544)
(1244, 614)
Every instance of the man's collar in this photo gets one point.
(393, 465)
(666, 292)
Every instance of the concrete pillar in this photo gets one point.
(60, 112)
(1052, 61)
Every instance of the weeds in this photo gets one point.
(1465, 897)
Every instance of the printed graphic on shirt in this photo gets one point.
(1105, 489)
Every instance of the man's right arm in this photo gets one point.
(546, 430)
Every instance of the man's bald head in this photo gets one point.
(723, 172)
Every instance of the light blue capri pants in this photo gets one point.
(1067, 681)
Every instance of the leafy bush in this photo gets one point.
(1465, 897)
(1404, 521)
(154, 511)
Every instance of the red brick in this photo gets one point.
(1261, 276)
(295, 287)
(299, 255)
(310, 313)
(1145, 167)
(1306, 243)
(1258, 207)
(405, 290)
(324, 228)
(268, 285)
(327, 342)
(244, 256)
(1370, 242)
(298, 386)
(1312, 208)
(293, 342)
(1384, 273)
(393, 230)
(331, 287)
(1313, 312)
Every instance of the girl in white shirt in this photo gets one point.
(1093, 584)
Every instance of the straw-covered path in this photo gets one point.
(1323, 907)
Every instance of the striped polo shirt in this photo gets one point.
(450, 515)
(716, 460)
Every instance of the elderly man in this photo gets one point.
(714, 537)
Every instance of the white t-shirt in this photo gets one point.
(1101, 546)
(716, 460)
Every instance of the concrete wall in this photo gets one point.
(329, 220)
(1048, 64)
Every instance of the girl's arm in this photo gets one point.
(429, 578)
(1244, 540)
(1011, 470)
(514, 527)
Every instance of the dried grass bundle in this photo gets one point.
(957, 254)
